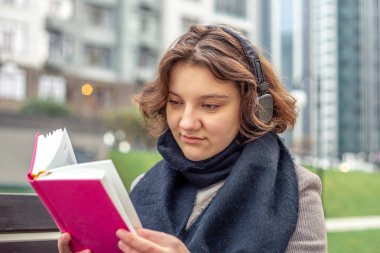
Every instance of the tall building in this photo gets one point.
(346, 52)
(109, 40)
(302, 80)
(50, 48)
(23, 42)
(284, 34)
(140, 33)
(369, 89)
(325, 128)
(178, 16)
(349, 83)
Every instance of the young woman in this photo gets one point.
(227, 183)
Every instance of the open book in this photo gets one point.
(88, 200)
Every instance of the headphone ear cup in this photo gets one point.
(265, 110)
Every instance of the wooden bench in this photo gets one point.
(25, 225)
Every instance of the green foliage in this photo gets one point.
(131, 123)
(133, 164)
(49, 107)
(354, 241)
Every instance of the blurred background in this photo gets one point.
(78, 64)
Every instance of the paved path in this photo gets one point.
(352, 223)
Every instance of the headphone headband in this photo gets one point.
(249, 51)
(265, 111)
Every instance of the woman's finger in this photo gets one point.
(170, 242)
(85, 251)
(157, 237)
(64, 243)
(137, 243)
(125, 248)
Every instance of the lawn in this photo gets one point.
(354, 242)
(350, 194)
(344, 194)
(133, 164)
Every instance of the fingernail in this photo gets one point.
(119, 232)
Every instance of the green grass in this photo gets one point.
(344, 194)
(351, 194)
(354, 242)
(133, 164)
(128, 165)
(15, 189)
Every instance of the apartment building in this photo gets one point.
(346, 52)
(369, 88)
(109, 43)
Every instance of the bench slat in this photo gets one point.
(48, 246)
(24, 212)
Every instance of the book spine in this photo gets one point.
(48, 206)
(29, 174)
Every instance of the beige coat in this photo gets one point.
(310, 234)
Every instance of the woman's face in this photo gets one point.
(203, 113)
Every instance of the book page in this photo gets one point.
(120, 197)
(53, 150)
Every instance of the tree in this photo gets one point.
(128, 124)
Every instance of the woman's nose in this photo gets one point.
(190, 121)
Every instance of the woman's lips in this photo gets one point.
(191, 139)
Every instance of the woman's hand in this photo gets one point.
(64, 244)
(149, 241)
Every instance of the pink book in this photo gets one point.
(88, 200)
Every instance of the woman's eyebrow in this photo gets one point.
(220, 96)
(173, 93)
(207, 96)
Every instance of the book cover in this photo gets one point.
(87, 200)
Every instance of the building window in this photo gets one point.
(62, 9)
(12, 82)
(14, 2)
(52, 87)
(144, 24)
(235, 8)
(98, 56)
(146, 57)
(99, 16)
(60, 45)
(12, 38)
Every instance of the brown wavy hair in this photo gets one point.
(224, 56)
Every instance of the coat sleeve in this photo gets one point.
(310, 233)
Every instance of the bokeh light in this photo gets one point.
(87, 89)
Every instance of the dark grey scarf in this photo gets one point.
(256, 210)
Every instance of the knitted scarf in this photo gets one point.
(256, 210)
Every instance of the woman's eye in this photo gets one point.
(210, 106)
(174, 102)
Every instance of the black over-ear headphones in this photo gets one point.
(265, 110)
